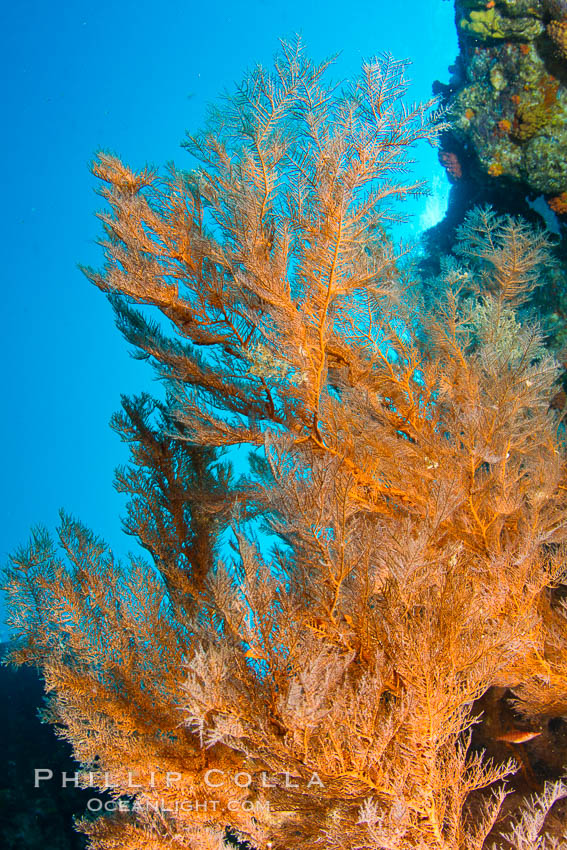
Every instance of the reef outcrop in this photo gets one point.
(507, 103)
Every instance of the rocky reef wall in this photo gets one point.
(507, 104)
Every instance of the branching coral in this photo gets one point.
(320, 694)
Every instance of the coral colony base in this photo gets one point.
(399, 628)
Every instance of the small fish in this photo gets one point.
(517, 736)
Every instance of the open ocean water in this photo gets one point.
(130, 78)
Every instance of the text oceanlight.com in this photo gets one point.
(177, 807)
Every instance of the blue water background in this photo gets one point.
(129, 77)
